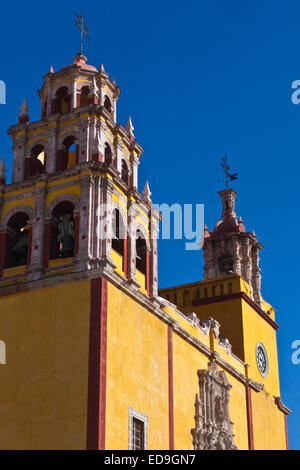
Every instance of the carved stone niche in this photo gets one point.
(213, 427)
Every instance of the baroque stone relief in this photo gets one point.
(213, 427)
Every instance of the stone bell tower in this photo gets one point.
(230, 249)
(68, 166)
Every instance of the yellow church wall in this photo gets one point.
(238, 412)
(187, 325)
(137, 371)
(268, 423)
(257, 329)
(26, 201)
(118, 261)
(14, 271)
(43, 393)
(229, 315)
(144, 223)
(187, 360)
(121, 202)
(74, 190)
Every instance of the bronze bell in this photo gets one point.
(67, 249)
(20, 248)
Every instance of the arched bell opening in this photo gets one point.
(125, 173)
(84, 96)
(141, 252)
(17, 241)
(62, 233)
(67, 156)
(225, 264)
(62, 102)
(108, 155)
(35, 164)
(118, 232)
(108, 105)
(142, 258)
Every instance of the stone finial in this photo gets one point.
(129, 127)
(23, 116)
(2, 171)
(80, 59)
(51, 70)
(102, 70)
(241, 225)
(94, 87)
(147, 193)
(224, 343)
(214, 326)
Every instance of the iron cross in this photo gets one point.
(79, 21)
(228, 176)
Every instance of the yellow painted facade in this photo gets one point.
(92, 348)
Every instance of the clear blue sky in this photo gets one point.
(198, 78)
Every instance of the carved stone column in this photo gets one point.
(209, 264)
(256, 277)
(74, 93)
(134, 161)
(84, 141)
(105, 221)
(154, 231)
(86, 221)
(35, 269)
(118, 153)
(131, 244)
(236, 250)
(19, 148)
(52, 148)
(247, 262)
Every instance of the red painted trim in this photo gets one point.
(54, 106)
(2, 251)
(97, 366)
(237, 295)
(286, 432)
(97, 157)
(27, 168)
(29, 246)
(76, 226)
(171, 389)
(249, 418)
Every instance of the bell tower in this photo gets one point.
(230, 249)
(74, 180)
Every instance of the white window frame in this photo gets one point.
(141, 417)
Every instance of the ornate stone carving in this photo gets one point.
(213, 427)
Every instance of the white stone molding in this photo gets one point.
(22, 208)
(141, 417)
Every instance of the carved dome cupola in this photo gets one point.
(76, 85)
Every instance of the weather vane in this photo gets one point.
(79, 21)
(228, 176)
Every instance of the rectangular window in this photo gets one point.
(137, 435)
(138, 430)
